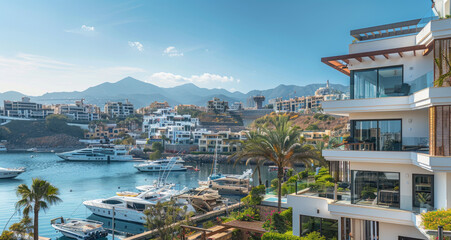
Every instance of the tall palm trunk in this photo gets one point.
(279, 186)
(36, 222)
(260, 182)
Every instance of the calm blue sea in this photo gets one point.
(80, 181)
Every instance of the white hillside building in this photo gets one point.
(397, 162)
(177, 128)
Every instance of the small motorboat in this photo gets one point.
(11, 172)
(81, 229)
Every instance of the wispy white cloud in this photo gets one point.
(172, 52)
(35, 75)
(205, 79)
(136, 45)
(87, 28)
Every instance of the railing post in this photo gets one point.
(440, 232)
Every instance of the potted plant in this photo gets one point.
(423, 198)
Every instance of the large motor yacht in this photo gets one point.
(97, 153)
(129, 207)
(167, 164)
(11, 172)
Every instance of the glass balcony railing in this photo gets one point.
(371, 83)
(422, 82)
(409, 144)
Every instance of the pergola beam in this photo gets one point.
(337, 61)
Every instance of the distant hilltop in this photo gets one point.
(142, 93)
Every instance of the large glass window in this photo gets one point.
(377, 135)
(375, 188)
(365, 84)
(379, 82)
(326, 227)
(423, 191)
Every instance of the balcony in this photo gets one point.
(421, 99)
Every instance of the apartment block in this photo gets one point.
(78, 111)
(308, 104)
(217, 105)
(397, 162)
(119, 109)
(25, 109)
(222, 141)
(176, 128)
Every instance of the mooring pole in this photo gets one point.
(113, 222)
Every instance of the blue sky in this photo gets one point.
(48, 46)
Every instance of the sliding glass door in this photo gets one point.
(378, 82)
(423, 191)
(375, 188)
(377, 135)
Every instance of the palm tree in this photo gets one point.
(40, 196)
(279, 143)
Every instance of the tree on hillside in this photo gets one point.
(280, 144)
(56, 122)
(4, 132)
(38, 197)
(157, 146)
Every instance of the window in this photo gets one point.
(379, 82)
(112, 201)
(423, 191)
(375, 188)
(377, 135)
(326, 227)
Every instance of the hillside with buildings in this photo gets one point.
(142, 93)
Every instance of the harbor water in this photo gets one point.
(80, 181)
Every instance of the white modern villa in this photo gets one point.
(397, 162)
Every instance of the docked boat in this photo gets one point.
(203, 199)
(228, 184)
(11, 172)
(150, 187)
(231, 185)
(130, 208)
(3, 148)
(167, 164)
(98, 153)
(81, 229)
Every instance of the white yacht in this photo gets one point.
(3, 148)
(11, 172)
(97, 153)
(168, 164)
(81, 229)
(130, 208)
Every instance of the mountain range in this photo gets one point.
(142, 93)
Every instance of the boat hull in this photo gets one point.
(9, 175)
(146, 169)
(120, 214)
(95, 159)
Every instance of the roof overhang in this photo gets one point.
(340, 62)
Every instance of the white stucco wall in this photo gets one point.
(388, 231)
(442, 190)
(405, 175)
(308, 206)
(414, 123)
(382, 44)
